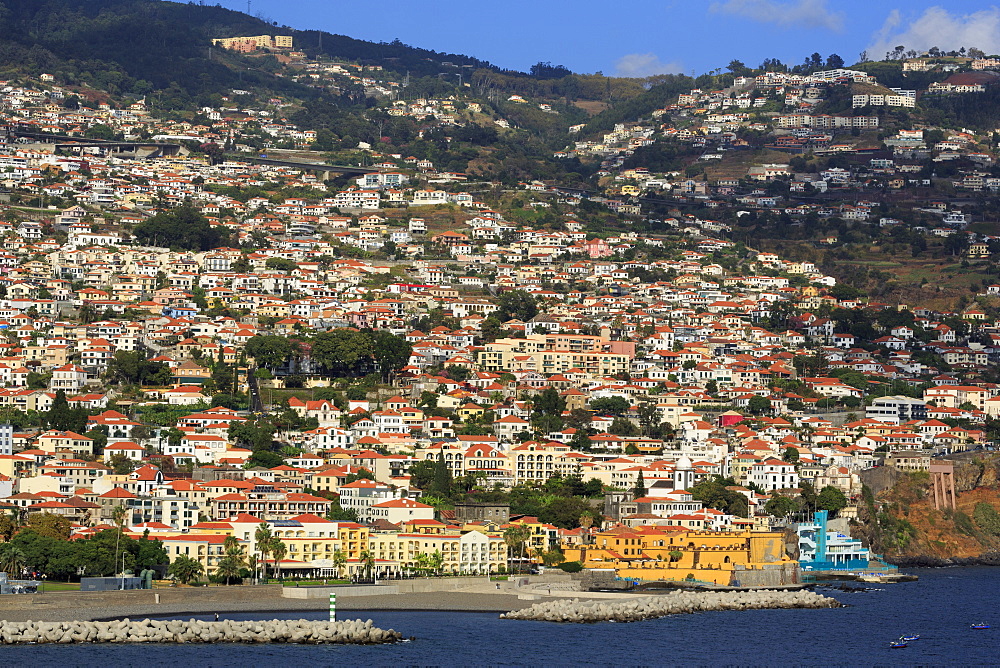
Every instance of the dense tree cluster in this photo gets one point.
(51, 552)
(182, 227)
(132, 367)
(350, 353)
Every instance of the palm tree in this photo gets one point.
(12, 559)
(262, 536)
(118, 515)
(252, 564)
(422, 562)
(436, 561)
(234, 560)
(516, 537)
(279, 550)
(339, 560)
(368, 560)
(185, 569)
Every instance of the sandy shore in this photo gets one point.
(461, 601)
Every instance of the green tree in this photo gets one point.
(441, 484)
(60, 416)
(337, 513)
(241, 265)
(339, 560)
(714, 493)
(639, 490)
(12, 559)
(49, 525)
(780, 506)
(368, 562)
(623, 427)
(548, 402)
(516, 537)
(610, 406)
(436, 561)
(516, 304)
(360, 474)
(790, 455)
(233, 560)
(759, 405)
(185, 569)
(279, 551)
(121, 463)
(132, 368)
(281, 264)
(553, 557)
(566, 512)
(391, 353)
(264, 459)
(183, 227)
(262, 538)
(269, 350)
(422, 474)
(832, 499)
(343, 352)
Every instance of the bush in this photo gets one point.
(964, 524)
(987, 518)
(571, 566)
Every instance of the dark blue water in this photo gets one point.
(940, 607)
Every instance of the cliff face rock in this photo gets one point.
(902, 523)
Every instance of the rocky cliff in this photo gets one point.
(901, 522)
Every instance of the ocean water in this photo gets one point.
(940, 607)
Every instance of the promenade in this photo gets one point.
(472, 594)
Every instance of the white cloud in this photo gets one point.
(939, 27)
(784, 13)
(640, 65)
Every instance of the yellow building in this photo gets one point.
(555, 353)
(470, 552)
(206, 549)
(720, 557)
(323, 548)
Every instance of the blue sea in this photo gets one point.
(939, 607)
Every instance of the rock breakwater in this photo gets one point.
(651, 607)
(352, 632)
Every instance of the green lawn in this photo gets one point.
(59, 586)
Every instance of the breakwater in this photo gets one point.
(651, 607)
(303, 631)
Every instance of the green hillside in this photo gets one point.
(134, 47)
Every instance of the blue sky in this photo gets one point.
(644, 37)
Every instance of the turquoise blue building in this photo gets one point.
(824, 550)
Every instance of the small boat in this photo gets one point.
(897, 644)
(910, 638)
(981, 625)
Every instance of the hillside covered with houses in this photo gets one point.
(419, 350)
